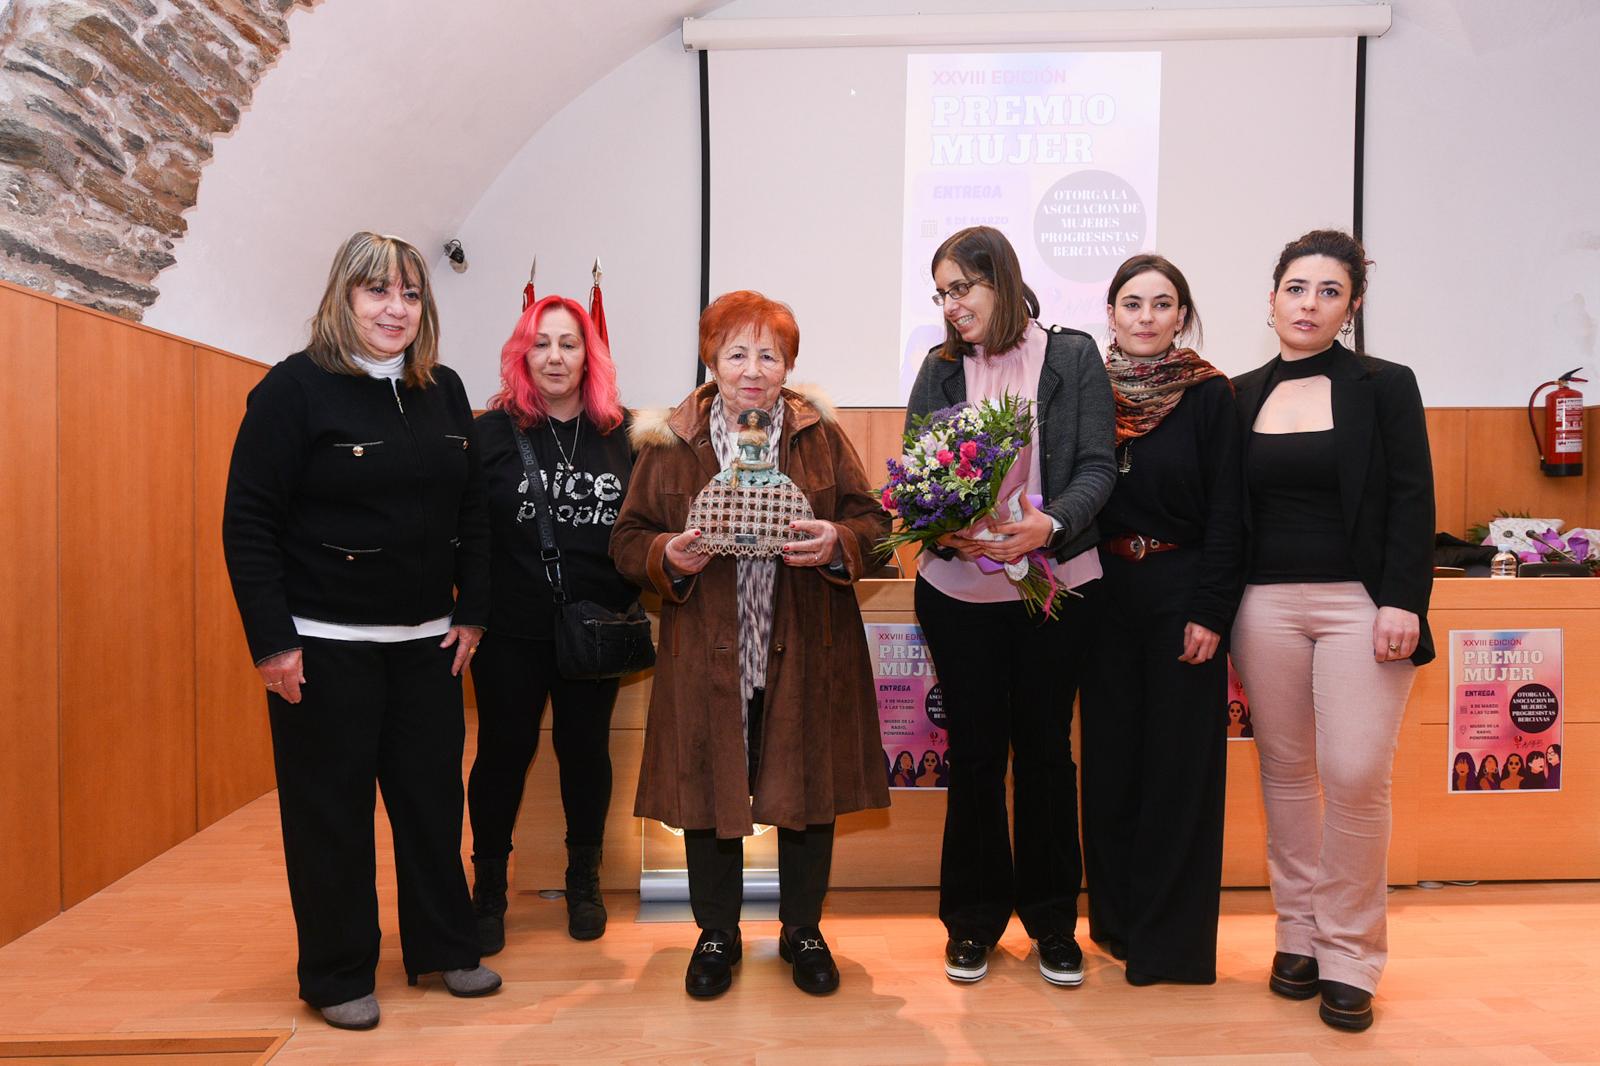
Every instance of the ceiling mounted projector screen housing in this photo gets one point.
(835, 173)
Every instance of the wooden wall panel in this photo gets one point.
(899, 847)
(127, 597)
(1511, 836)
(30, 818)
(1244, 837)
(1504, 472)
(1447, 441)
(233, 745)
(539, 851)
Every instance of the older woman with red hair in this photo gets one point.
(559, 394)
(762, 708)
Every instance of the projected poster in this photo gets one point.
(1058, 150)
(1505, 710)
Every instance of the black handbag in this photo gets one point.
(592, 641)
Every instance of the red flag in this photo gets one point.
(528, 298)
(597, 306)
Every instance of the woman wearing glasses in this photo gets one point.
(1008, 678)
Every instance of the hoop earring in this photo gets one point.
(1272, 323)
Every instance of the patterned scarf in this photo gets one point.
(1148, 389)
(755, 576)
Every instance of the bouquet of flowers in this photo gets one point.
(951, 476)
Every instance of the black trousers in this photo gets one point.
(372, 714)
(1008, 682)
(513, 677)
(1155, 769)
(716, 875)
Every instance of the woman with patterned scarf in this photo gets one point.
(1156, 688)
(763, 707)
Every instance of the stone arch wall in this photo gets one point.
(107, 110)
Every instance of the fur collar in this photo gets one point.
(652, 427)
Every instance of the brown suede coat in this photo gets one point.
(821, 756)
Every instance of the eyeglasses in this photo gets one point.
(957, 291)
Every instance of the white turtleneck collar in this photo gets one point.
(388, 369)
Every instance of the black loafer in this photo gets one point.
(1060, 959)
(1345, 1006)
(716, 953)
(965, 960)
(808, 954)
(1293, 976)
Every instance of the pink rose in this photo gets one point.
(969, 449)
(945, 457)
(888, 500)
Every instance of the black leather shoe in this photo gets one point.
(1345, 1006)
(965, 960)
(808, 953)
(716, 953)
(1293, 976)
(1060, 959)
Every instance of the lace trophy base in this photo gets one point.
(747, 520)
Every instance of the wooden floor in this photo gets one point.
(200, 940)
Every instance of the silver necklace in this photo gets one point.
(1125, 463)
(550, 423)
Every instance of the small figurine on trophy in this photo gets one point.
(748, 507)
(753, 465)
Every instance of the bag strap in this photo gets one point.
(533, 485)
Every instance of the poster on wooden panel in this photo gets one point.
(1505, 711)
(911, 716)
(1239, 727)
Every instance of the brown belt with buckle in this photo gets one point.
(1136, 546)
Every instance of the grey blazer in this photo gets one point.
(1076, 423)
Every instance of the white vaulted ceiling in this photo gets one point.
(393, 115)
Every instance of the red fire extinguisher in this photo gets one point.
(1563, 427)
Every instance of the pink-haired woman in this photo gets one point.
(559, 391)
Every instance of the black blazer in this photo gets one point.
(1385, 476)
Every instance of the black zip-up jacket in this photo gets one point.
(354, 501)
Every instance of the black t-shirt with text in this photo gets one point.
(584, 498)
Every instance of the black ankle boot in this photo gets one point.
(586, 911)
(489, 904)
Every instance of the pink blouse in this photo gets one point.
(989, 377)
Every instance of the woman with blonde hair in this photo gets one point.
(356, 542)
